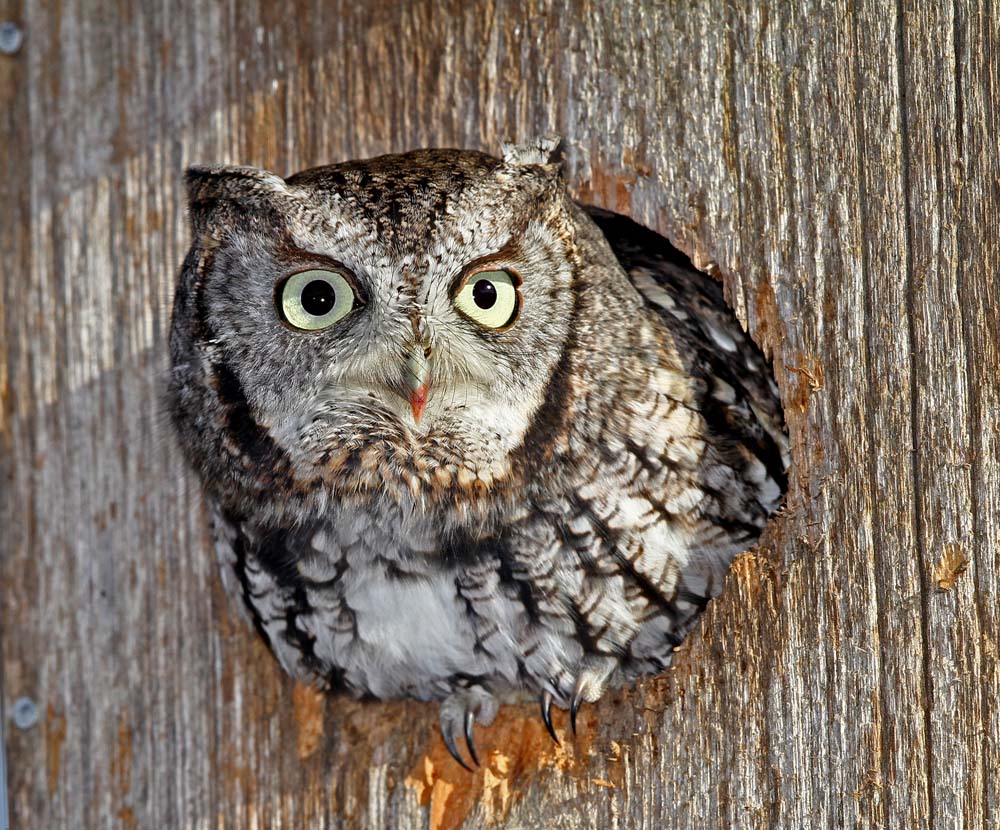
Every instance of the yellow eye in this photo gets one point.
(490, 298)
(314, 300)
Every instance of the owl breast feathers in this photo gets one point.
(464, 439)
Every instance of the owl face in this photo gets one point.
(387, 325)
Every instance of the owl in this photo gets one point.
(463, 438)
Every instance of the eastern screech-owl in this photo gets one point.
(464, 439)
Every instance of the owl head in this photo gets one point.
(390, 327)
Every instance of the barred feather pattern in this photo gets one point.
(557, 525)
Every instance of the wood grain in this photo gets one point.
(836, 163)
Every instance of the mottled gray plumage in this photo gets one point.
(551, 510)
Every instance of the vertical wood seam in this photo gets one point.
(766, 750)
(916, 512)
(966, 301)
(885, 762)
(15, 189)
(738, 170)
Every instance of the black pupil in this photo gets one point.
(484, 293)
(318, 297)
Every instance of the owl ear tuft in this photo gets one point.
(543, 150)
(209, 186)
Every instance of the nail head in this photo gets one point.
(24, 713)
(11, 37)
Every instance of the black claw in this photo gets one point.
(470, 719)
(449, 741)
(574, 707)
(547, 714)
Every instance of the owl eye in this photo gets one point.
(314, 300)
(489, 298)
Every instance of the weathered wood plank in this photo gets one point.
(942, 474)
(835, 162)
(13, 233)
(977, 53)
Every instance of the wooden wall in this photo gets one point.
(835, 162)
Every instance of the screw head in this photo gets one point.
(24, 713)
(11, 37)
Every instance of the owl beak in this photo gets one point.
(418, 370)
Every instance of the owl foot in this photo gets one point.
(574, 707)
(459, 712)
(590, 684)
(588, 688)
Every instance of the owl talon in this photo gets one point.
(449, 742)
(459, 713)
(547, 714)
(470, 719)
(574, 707)
(579, 697)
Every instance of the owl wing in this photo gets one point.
(275, 578)
(741, 403)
